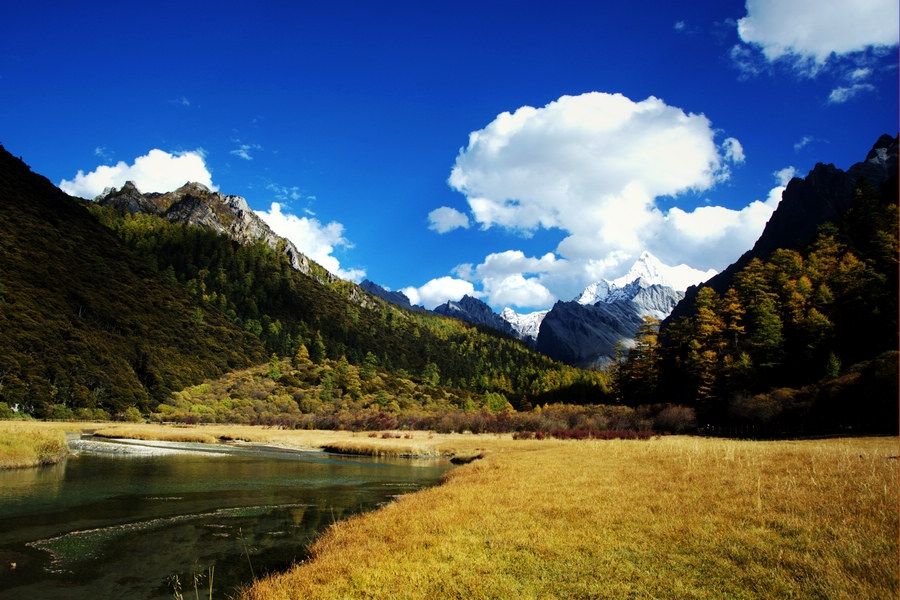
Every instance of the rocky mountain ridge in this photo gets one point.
(398, 298)
(476, 312)
(195, 204)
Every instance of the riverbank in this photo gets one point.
(406, 444)
(672, 517)
(416, 444)
(24, 444)
(667, 517)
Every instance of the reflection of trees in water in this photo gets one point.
(15, 482)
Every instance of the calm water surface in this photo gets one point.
(123, 520)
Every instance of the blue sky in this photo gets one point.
(516, 151)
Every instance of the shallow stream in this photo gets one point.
(126, 520)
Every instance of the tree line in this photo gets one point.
(805, 340)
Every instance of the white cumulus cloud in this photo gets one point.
(570, 163)
(596, 167)
(808, 32)
(156, 171)
(440, 290)
(311, 237)
(446, 219)
(512, 279)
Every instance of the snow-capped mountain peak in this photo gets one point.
(526, 326)
(653, 271)
(647, 271)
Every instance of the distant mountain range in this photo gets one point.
(584, 332)
(117, 303)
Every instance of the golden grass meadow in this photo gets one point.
(670, 517)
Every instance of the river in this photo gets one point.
(140, 520)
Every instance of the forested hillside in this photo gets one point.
(86, 326)
(804, 341)
(259, 291)
(106, 313)
(102, 310)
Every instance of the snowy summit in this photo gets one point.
(645, 272)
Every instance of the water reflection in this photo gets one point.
(16, 483)
(122, 524)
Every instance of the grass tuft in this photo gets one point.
(22, 445)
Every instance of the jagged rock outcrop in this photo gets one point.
(195, 204)
(824, 195)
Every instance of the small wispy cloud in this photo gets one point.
(285, 192)
(860, 74)
(747, 61)
(784, 176)
(243, 150)
(180, 101)
(103, 153)
(839, 95)
(807, 139)
(733, 150)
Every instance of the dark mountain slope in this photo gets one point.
(805, 340)
(587, 335)
(824, 195)
(86, 323)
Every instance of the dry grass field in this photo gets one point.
(670, 517)
(667, 518)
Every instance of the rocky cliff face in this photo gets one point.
(586, 335)
(194, 204)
